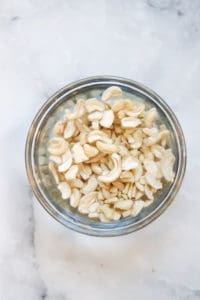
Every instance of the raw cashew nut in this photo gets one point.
(96, 168)
(97, 135)
(126, 213)
(118, 105)
(95, 125)
(78, 153)
(100, 196)
(69, 130)
(97, 158)
(115, 172)
(150, 117)
(57, 146)
(65, 190)
(162, 136)
(94, 215)
(93, 207)
(105, 193)
(56, 159)
(77, 183)
(123, 151)
(94, 105)
(71, 173)
(67, 162)
(129, 163)
(84, 171)
(96, 115)
(107, 119)
(59, 128)
(111, 200)
(107, 211)
(153, 182)
(137, 109)
(124, 204)
(88, 199)
(167, 162)
(90, 186)
(157, 151)
(128, 104)
(54, 172)
(151, 166)
(153, 132)
(90, 151)
(130, 122)
(106, 148)
(121, 114)
(137, 135)
(111, 92)
(137, 207)
(116, 216)
(79, 110)
(83, 138)
(139, 186)
(75, 198)
(148, 192)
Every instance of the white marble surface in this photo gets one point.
(45, 45)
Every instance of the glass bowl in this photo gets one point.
(43, 184)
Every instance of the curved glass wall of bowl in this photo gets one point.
(41, 179)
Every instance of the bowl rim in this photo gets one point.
(86, 229)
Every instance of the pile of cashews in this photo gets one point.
(108, 156)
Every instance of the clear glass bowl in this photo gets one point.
(41, 179)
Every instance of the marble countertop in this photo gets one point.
(45, 45)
